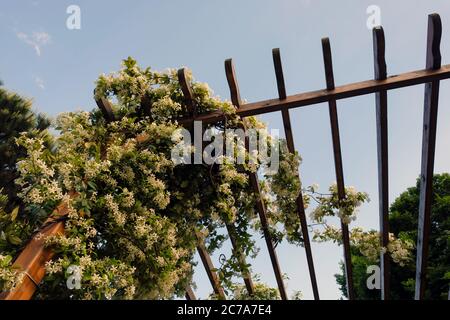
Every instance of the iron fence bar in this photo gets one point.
(290, 144)
(236, 100)
(379, 48)
(105, 107)
(187, 91)
(334, 123)
(189, 100)
(190, 295)
(433, 62)
(209, 267)
(146, 105)
(245, 273)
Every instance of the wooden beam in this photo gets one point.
(260, 206)
(290, 144)
(382, 151)
(340, 92)
(33, 257)
(433, 62)
(334, 123)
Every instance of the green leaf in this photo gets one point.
(92, 185)
(6, 261)
(185, 184)
(15, 240)
(14, 213)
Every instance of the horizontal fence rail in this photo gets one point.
(355, 89)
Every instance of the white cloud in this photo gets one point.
(37, 40)
(39, 82)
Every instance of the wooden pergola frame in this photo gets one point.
(34, 256)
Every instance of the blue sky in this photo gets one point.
(57, 67)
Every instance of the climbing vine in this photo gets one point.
(135, 217)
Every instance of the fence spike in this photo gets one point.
(146, 105)
(232, 83)
(382, 150)
(290, 144)
(334, 122)
(245, 274)
(106, 109)
(209, 267)
(433, 62)
(235, 98)
(190, 295)
(187, 91)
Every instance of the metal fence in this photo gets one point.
(379, 86)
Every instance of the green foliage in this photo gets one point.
(16, 227)
(16, 116)
(9, 240)
(286, 186)
(403, 224)
(359, 264)
(331, 205)
(261, 292)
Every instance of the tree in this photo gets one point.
(16, 116)
(403, 221)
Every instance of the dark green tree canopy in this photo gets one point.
(16, 116)
(403, 219)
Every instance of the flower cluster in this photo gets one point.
(331, 204)
(261, 291)
(283, 196)
(10, 278)
(368, 243)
